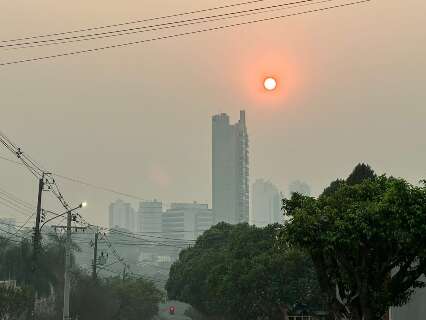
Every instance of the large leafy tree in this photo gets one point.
(238, 272)
(138, 299)
(113, 299)
(14, 302)
(366, 238)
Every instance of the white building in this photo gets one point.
(149, 217)
(122, 215)
(186, 221)
(266, 204)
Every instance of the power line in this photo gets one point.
(135, 21)
(162, 26)
(131, 234)
(15, 198)
(73, 53)
(95, 186)
(37, 172)
(14, 235)
(82, 182)
(7, 203)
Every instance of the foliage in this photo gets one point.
(113, 299)
(366, 238)
(237, 272)
(14, 303)
(17, 263)
(109, 299)
(360, 173)
(138, 299)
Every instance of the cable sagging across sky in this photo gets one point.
(178, 35)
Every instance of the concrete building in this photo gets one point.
(186, 221)
(266, 204)
(230, 169)
(122, 215)
(299, 187)
(149, 217)
(7, 226)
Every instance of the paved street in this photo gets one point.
(179, 314)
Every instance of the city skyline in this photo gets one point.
(151, 137)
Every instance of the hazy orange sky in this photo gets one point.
(138, 119)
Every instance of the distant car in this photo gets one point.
(172, 310)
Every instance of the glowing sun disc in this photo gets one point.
(270, 84)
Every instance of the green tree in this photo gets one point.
(14, 303)
(103, 303)
(366, 240)
(137, 299)
(113, 298)
(238, 272)
(361, 172)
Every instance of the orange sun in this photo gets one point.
(270, 84)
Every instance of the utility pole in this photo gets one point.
(124, 272)
(36, 242)
(66, 313)
(67, 285)
(95, 256)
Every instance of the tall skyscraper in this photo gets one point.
(266, 204)
(150, 216)
(230, 168)
(122, 215)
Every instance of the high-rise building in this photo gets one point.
(266, 204)
(230, 169)
(122, 215)
(186, 221)
(300, 187)
(150, 217)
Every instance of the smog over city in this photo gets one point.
(216, 159)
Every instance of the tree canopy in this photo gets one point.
(110, 299)
(113, 299)
(238, 272)
(14, 303)
(366, 238)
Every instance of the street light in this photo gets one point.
(81, 205)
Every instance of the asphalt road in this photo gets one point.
(179, 313)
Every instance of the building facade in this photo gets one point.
(415, 309)
(7, 226)
(150, 217)
(122, 215)
(186, 221)
(266, 204)
(300, 187)
(230, 169)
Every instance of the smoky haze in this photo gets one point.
(138, 119)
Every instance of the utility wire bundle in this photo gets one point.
(99, 38)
